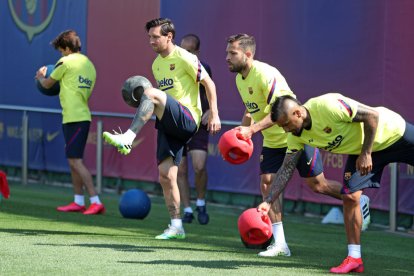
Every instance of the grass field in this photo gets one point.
(37, 240)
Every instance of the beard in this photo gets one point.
(297, 132)
(238, 68)
(157, 48)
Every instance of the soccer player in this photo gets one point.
(372, 136)
(176, 105)
(196, 149)
(76, 75)
(259, 84)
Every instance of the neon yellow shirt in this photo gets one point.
(258, 90)
(76, 75)
(179, 74)
(333, 130)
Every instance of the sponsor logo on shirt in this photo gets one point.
(165, 84)
(335, 143)
(84, 82)
(252, 107)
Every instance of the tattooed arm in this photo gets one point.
(369, 117)
(143, 114)
(281, 180)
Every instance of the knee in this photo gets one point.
(162, 178)
(316, 186)
(265, 185)
(199, 170)
(350, 199)
(75, 164)
(199, 163)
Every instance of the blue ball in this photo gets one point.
(134, 204)
(52, 91)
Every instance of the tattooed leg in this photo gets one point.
(168, 181)
(143, 114)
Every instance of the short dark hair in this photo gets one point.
(278, 107)
(68, 39)
(246, 42)
(166, 26)
(195, 39)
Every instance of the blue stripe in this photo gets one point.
(347, 107)
(168, 88)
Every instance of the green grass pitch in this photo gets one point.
(37, 240)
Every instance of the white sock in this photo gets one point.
(188, 210)
(95, 199)
(201, 202)
(354, 250)
(130, 135)
(80, 200)
(177, 223)
(278, 233)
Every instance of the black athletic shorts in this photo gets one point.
(309, 165)
(76, 135)
(401, 151)
(175, 129)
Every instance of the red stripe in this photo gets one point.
(186, 112)
(73, 137)
(347, 107)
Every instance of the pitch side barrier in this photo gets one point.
(25, 110)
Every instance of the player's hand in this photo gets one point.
(41, 73)
(244, 132)
(364, 163)
(264, 208)
(214, 124)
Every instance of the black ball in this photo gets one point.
(52, 91)
(133, 89)
(257, 246)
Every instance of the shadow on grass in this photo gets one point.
(136, 248)
(116, 247)
(219, 264)
(222, 229)
(31, 232)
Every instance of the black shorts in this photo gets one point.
(309, 165)
(401, 151)
(175, 129)
(76, 135)
(198, 142)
